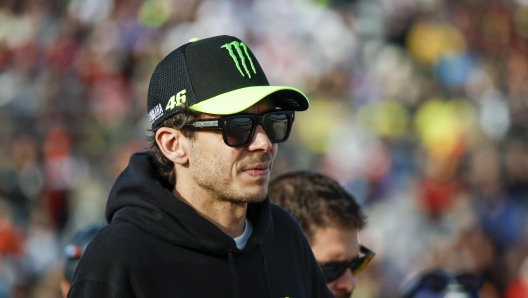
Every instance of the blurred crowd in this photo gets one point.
(418, 107)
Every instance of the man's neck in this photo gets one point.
(227, 216)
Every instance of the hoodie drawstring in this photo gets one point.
(233, 273)
(265, 272)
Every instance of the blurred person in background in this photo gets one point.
(439, 283)
(192, 217)
(403, 93)
(73, 253)
(331, 220)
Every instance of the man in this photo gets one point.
(73, 252)
(192, 218)
(331, 219)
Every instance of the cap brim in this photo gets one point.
(238, 100)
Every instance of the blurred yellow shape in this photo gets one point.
(154, 13)
(387, 118)
(427, 41)
(442, 126)
(315, 125)
(520, 19)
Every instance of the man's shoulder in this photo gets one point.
(114, 248)
(118, 230)
(284, 223)
(105, 264)
(116, 238)
(281, 216)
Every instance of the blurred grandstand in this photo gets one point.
(418, 107)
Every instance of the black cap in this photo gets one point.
(217, 75)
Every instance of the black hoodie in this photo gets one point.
(157, 246)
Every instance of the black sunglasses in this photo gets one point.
(334, 270)
(238, 129)
(439, 280)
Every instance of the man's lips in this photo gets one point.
(258, 166)
(258, 170)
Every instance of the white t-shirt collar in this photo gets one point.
(242, 239)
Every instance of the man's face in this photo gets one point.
(333, 245)
(235, 174)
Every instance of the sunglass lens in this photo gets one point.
(333, 271)
(471, 283)
(276, 127)
(434, 282)
(238, 130)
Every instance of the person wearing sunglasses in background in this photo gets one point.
(439, 283)
(331, 220)
(191, 217)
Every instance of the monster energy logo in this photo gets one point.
(238, 46)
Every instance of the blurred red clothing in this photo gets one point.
(437, 195)
(517, 289)
(11, 240)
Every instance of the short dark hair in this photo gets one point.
(165, 165)
(316, 201)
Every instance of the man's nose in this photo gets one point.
(346, 282)
(260, 140)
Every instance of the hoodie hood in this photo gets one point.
(144, 198)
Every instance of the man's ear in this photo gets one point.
(173, 144)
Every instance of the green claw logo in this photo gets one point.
(238, 46)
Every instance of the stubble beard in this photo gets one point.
(219, 190)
